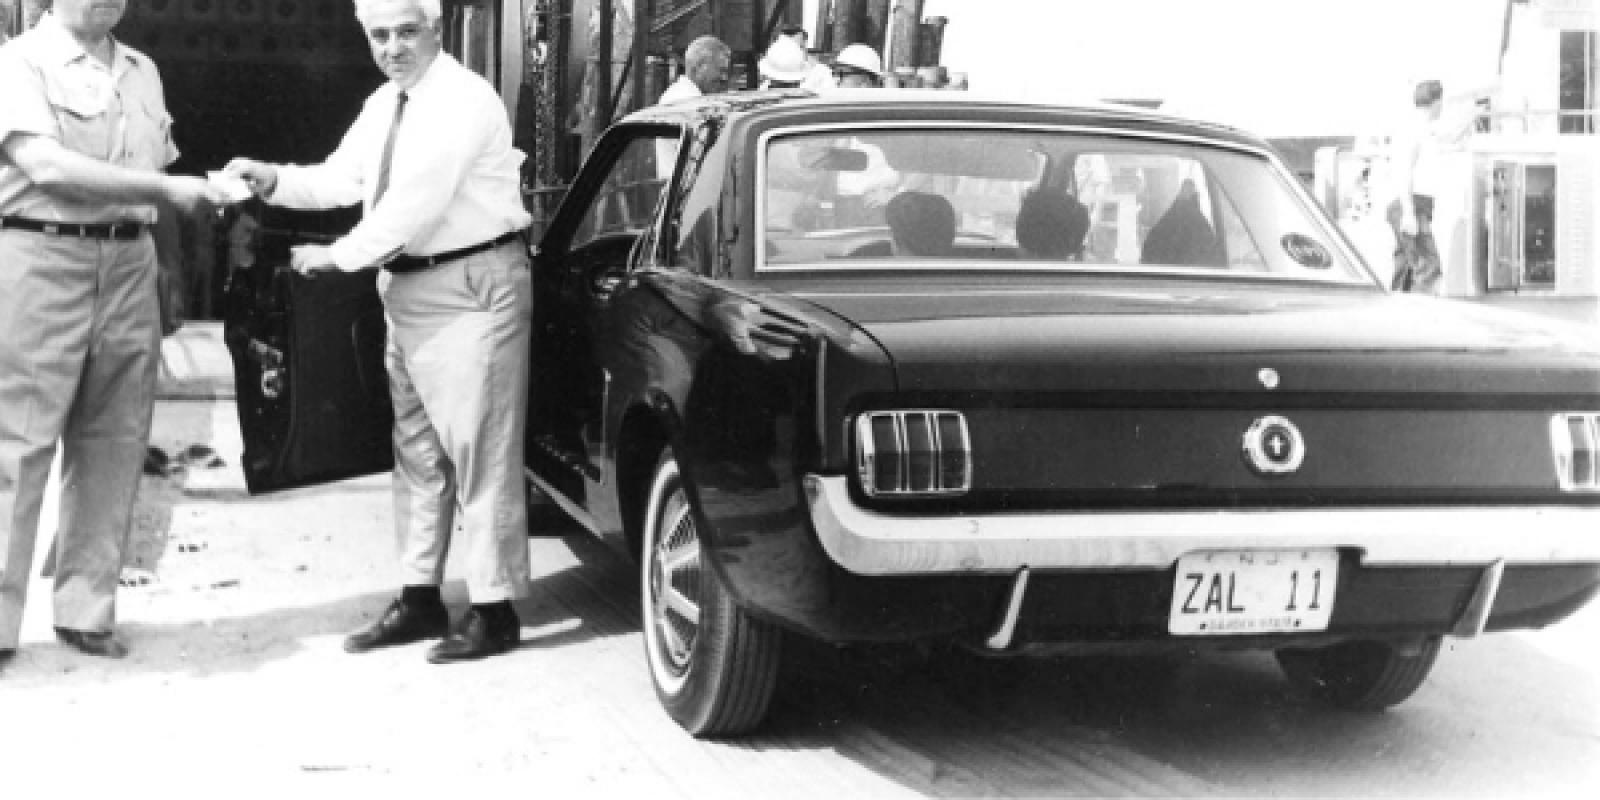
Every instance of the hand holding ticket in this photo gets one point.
(233, 186)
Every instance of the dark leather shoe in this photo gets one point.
(400, 624)
(473, 637)
(94, 643)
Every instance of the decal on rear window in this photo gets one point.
(1306, 251)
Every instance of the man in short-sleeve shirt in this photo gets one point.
(84, 133)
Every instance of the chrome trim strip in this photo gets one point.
(599, 475)
(1232, 278)
(902, 452)
(1567, 451)
(573, 510)
(1001, 638)
(821, 397)
(868, 542)
(868, 452)
(1475, 616)
(966, 453)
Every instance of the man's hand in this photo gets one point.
(261, 178)
(309, 259)
(190, 195)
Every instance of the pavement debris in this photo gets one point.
(196, 456)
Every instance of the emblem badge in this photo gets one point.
(1274, 446)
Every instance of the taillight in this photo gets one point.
(913, 453)
(1575, 439)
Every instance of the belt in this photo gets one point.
(420, 263)
(82, 230)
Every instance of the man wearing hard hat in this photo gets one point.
(819, 78)
(858, 67)
(785, 65)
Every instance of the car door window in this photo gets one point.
(693, 230)
(625, 203)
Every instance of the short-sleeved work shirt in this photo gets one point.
(50, 86)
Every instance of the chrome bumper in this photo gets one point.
(867, 542)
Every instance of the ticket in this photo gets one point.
(232, 186)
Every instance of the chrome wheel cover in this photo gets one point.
(672, 586)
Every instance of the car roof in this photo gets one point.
(900, 103)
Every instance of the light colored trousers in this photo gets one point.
(79, 348)
(457, 357)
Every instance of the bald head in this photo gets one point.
(432, 10)
(706, 62)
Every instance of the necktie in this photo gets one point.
(388, 148)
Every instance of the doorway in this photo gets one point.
(275, 80)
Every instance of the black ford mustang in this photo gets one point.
(896, 366)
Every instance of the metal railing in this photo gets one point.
(1581, 121)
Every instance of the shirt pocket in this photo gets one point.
(83, 121)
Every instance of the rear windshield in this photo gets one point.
(988, 199)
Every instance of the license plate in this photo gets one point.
(1237, 592)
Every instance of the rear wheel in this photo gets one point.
(1361, 675)
(714, 667)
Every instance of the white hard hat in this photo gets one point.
(860, 57)
(785, 61)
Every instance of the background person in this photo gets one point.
(446, 223)
(1420, 178)
(922, 224)
(1182, 236)
(84, 135)
(1051, 226)
(819, 78)
(858, 67)
(705, 70)
(784, 65)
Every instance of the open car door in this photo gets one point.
(312, 395)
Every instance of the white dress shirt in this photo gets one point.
(819, 77)
(681, 89)
(454, 177)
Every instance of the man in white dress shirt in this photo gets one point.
(705, 70)
(431, 160)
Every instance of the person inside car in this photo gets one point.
(1183, 236)
(922, 223)
(1051, 225)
